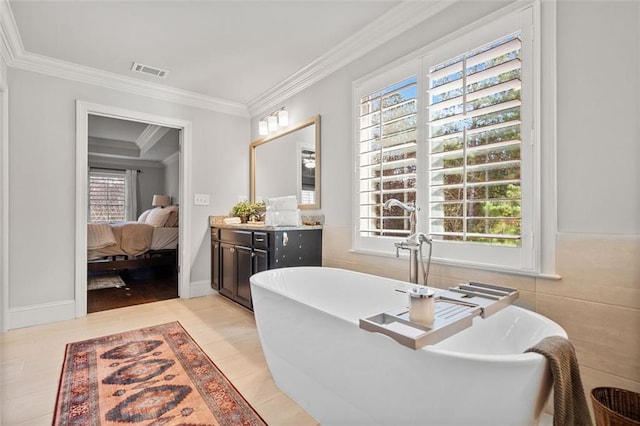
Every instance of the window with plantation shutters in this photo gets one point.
(452, 128)
(387, 157)
(107, 196)
(474, 138)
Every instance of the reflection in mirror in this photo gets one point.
(288, 163)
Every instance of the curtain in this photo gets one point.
(131, 203)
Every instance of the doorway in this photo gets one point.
(87, 113)
(134, 189)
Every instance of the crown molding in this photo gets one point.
(114, 147)
(79, 73)
(396, 21)
(15, 56)
(172, 158)
(150, 136)
(106, 160)
(11, 43)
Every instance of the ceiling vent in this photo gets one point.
(146, 69)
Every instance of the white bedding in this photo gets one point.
(128, 239)
(164, 238)
(99, 235)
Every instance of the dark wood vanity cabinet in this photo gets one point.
(237, 253)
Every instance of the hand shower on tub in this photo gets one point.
(413, 243)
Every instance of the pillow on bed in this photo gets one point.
(172, 220)
(143, 216)
(158, 217)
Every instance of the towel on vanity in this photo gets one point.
(569, 401)
(283, 218)
(289, 202)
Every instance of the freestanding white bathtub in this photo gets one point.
(308, 319)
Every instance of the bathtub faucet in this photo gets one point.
(413, 242)
(410, 208)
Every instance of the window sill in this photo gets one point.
(469, 265)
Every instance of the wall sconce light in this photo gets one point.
(263, 127)
(273, 121)
(283, 118)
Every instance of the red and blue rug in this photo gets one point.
(152, 376)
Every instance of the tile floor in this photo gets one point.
(31, 358)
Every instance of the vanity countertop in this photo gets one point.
(258, 226)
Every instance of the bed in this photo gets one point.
(152, 240)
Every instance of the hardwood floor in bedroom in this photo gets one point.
(143, 285)
(31, 358)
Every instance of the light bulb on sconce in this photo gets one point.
(263, 128)
(273, 121)
(283, 118)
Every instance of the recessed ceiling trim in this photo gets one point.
(387, 26)
(172, 158)
(10, 38)
(110, 146)
(150, 136)
(97, 160)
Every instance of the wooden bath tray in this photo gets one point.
(454, 308)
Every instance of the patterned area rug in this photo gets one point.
(152, 376)
(96, 282)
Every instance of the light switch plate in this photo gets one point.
(201, 199)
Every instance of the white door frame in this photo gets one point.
(4, 209)
(83, 110)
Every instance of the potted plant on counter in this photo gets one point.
(245, 209)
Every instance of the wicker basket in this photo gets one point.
(615, 407)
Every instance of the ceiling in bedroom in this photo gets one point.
(229, 50)
(116, 140)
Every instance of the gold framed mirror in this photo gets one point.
(288, 163)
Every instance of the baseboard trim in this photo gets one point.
(27, 316)
(201, 288)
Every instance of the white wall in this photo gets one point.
(4, 182)
(172, 178)
(599, 117)
(151, 181)
(42, 179)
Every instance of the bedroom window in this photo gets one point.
(107, 196)
(451, 129)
